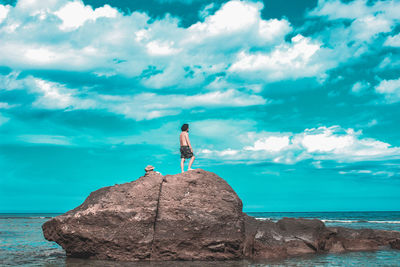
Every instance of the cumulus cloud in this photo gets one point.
(288, 60)
(322, 143)
(336, 9)
(75, 14)
(393, 41)
(4, 9)
(221, 153)
(271, 143)
(233, 16)
(226, 60)
(366, 21)
(140, 106)
(390, 89)
(234, 40)
(56, 96)
(150, 105)
(68, 35)
(359, 87)
(354, 28)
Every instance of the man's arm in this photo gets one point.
(188, 142)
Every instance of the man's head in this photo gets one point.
(185, 127)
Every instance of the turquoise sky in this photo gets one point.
(294, 103)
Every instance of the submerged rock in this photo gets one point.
(395, 244)
(194, 215)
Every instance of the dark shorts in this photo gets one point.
(185, 152)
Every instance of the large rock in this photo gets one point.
(199, 217)
(192, 216)
(115, 222)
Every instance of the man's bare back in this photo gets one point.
(183, 137)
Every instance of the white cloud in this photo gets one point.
(272, 143)
(42, 55)
(219, 153)
(240, 17)
(56, 96)
(369, 124)
(45, 139)
(35, 7)
(68, 35)
(149, 105)
(228, 151)
(140, 106)
(3, 119)
(324, 140)
(352, 27)
(4, 9)
(233, 16)
(339, 10)
(368, 172)
(390, 89)
(368, 27)
(322, 143)
(359, 87)
(206, 10)
(158, 48)
(5, 105)
(367, 20)
(223, 42)
(393, 40)
(372, 122)
(75, 14)
(336, 9)
(286, 61)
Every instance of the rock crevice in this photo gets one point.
(194, 215)
(156, 217)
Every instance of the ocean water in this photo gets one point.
(22, 243)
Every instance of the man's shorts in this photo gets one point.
(186, 153)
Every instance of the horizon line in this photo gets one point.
(36, 212)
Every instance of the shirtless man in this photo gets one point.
(186, 147)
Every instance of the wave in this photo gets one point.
(24, 217)
(358, 221)
(338, 221)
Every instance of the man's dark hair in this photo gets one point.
(185, 127)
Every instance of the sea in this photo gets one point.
(22, 243)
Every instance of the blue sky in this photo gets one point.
(295, 105)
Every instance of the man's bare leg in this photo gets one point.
(190, 163)
(182, 164)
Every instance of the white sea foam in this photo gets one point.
(339, 221)
(358, 221)
(264, 219)
(398, 222)
(342, 221)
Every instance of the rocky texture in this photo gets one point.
(395, 244)
(199, 217)
(287, 237)
(115, 222)
(292, 237)
(192, 216)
